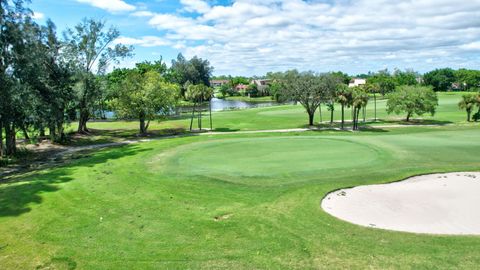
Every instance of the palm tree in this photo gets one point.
(344, 97)
(359, 101)
(467, 103)
(373, 88)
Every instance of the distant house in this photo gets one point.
(261, 82)
(218, 83)
(357, 82)
(241, 87)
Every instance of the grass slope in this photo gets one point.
(230, 201)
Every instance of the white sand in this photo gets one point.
(435, 204)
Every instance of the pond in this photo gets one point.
(218, 104)
(225, 105)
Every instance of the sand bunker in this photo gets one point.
(436, 204)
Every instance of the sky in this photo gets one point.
(253, 37)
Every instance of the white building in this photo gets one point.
(357, 82)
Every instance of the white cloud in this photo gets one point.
(198, 6)
(146, 41)
(110, 5)
(471, 46)
(38, 15)
(254, 36)
(143, 13)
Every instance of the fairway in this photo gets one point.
(230, 201)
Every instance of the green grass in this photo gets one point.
(289, 116)
(248, 201)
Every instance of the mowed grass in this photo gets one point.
(291, 116)
(230, 201)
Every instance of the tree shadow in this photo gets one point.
(18, 192)
(102, 136)
(226, 129)
(417, 122)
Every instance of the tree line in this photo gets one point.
(312, 90)
(47, 81)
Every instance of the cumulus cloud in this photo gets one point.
(146, 41)
(253, 36)
(198, 6)
(110, 5)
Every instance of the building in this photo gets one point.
(241, 87)
(261, 82)
(218, 83)
(357, 82)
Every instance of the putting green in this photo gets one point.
(282, 159)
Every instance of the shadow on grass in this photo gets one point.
(412, 122)
(18, 192)
(226, 129)
(102, 136)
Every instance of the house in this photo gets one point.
(260, 82)
(241, 87)
(218, 83)
(357, 82)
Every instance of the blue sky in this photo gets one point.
(252, 37)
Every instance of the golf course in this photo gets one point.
(235, 200)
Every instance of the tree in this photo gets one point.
(144, 96)
(440, 79)
(20, 38)
(330, 82)
(224, 90)
(476, 116)
(91, 47)
(344, 97)
(407, 77)
(359, 101)
(467, 103)
(198, 94)
(252, 90)
(467, 79)
(305, 88)
(373, 88)
(412, 100)
(193, 71)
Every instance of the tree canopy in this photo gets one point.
(144, 96)
(412, 100)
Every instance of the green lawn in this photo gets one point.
(290, 116)
(232, 202)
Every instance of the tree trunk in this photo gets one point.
(210, 109)
(82, 122)
(408, 116)
(353, 117)
(53, 133)
(193, 115)
(358, 115)
(364, 111)
(331, 114)
(375, 104)
(343, 115)
(10, 139)
(468, 115)
(1, 138)
(310, 118)
(143, 129)
(320, 113)
(60, 131)
(25, 133)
